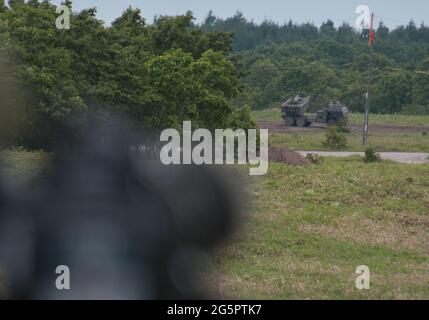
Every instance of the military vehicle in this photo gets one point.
(293, 112)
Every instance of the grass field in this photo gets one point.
(306, 229)
(22, 166)
(380, 141)
(398, 142)
(357, 118)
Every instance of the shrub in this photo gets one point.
(414, 110)
(371, 156)
(342, 126)
(314, 158)
(335, 138)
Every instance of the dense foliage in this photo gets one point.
(172, 70)
(330, 63)
(158, 74)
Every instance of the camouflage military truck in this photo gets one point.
(294, 109)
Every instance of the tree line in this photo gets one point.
(172, 69)
(330, 63)
(157, 74)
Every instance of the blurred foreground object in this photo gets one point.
(14, 100)
(126, 226)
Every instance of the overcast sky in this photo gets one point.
(392, 12)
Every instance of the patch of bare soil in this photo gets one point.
(285, 155)
(280, 127)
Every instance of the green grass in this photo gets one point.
(267, 115)
(21, 166)
(356, 118)
(308, 228)
(393, 142)
(392, 120)
(313, 141)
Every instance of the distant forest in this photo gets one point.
(330, 63)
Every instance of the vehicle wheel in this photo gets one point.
(332, 122)
(290, 122)
(300, 122)
(308, 124)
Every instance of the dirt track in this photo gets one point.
(280, 127)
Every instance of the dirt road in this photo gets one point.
(280, 127)
(400, 157)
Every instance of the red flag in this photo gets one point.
(371, 38)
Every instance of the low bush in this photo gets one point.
(335, 138)
(371, 156)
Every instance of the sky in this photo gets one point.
(392, 12)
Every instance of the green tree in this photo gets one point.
(131, 22)
(382, 31)
(393, 92)
(420, 91)
(346, 33)
(327, 29)
(335, 138)
(16, 3)
(158, 75)
(2, 6)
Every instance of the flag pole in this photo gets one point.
(367, 96)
